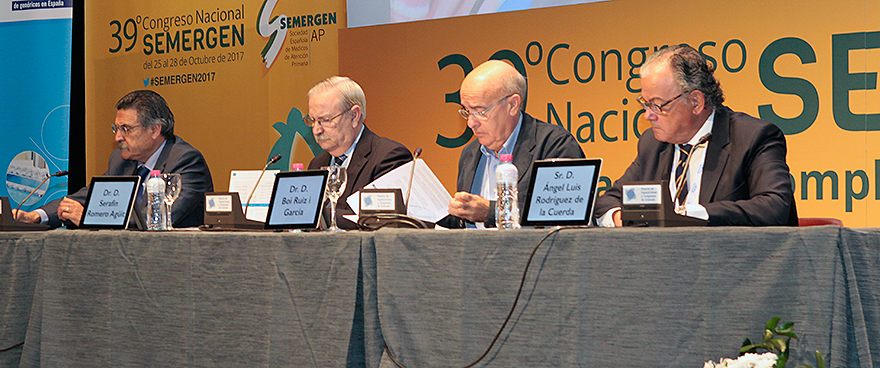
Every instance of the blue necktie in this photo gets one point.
(680, 174)
(143, 172)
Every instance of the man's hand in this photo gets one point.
(617, 221)
(70, 210)
(25, 216)
(469, 207)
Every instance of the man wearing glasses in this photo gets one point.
(723, 166)
(144, 134)
(492, 100)
(337, 109)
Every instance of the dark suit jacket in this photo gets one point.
(745, 177)
(537, 140)
(372, 157)
(177, 157)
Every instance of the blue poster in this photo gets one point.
(35, 37)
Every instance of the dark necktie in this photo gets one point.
(681, 174)
(337, 161)
(143, 172)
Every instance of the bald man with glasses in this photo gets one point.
(492, 100)
(722, 166)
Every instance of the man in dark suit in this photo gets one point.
(144, 130)
(732, 166)
(337, 109)
(492, 97)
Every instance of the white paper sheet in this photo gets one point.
(429, 200)
(244, 181)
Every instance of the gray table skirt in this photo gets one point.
(592, 297)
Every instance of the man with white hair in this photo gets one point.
(337, 110)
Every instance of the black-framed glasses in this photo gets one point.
(310, 121)
(480, 114)
(126, 129)
(657, 108)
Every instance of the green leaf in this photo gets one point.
(789, 334)
(771, 324)
(752, 348)
(780, 363)
(779, 345)
(768, 334)
(785, 353)
(820, 360)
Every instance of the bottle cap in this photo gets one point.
(506, 157)
(155, 173)
(298, 166)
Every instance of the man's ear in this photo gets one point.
(155, 130)
(697, 99)
(516, 102)
(357, 115)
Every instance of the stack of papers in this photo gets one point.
(429, 200)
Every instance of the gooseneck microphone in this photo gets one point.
(412, 173)
(55, 175)
(681, 181)
(272, 160)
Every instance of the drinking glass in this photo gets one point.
(172, 190)
(335, 186)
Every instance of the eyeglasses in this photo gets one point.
(126, 129)
(657, 108)
(480, 114)
(311, 122)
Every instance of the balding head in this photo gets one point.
(497, 76)
(498, 90)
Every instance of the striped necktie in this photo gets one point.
(337, 161)
(680, 173)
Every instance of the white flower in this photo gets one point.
(750, 360)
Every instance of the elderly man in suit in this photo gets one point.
(723, 166)
(337, 110)
(492, 100)
(144, 134)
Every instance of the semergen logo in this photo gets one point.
(273, 29)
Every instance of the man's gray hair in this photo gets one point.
(691, 71)
(350, 93)
(151, 110)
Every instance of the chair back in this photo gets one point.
(818, 221)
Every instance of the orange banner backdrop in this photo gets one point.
(811, 72)
(235, 74)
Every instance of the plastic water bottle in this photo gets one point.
(506, 206)
(156, 201)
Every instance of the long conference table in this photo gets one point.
(591, 297)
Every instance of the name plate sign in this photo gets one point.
(218, 203)
(110, 202)
(641, 194)
(561, 192)
(297, 199)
